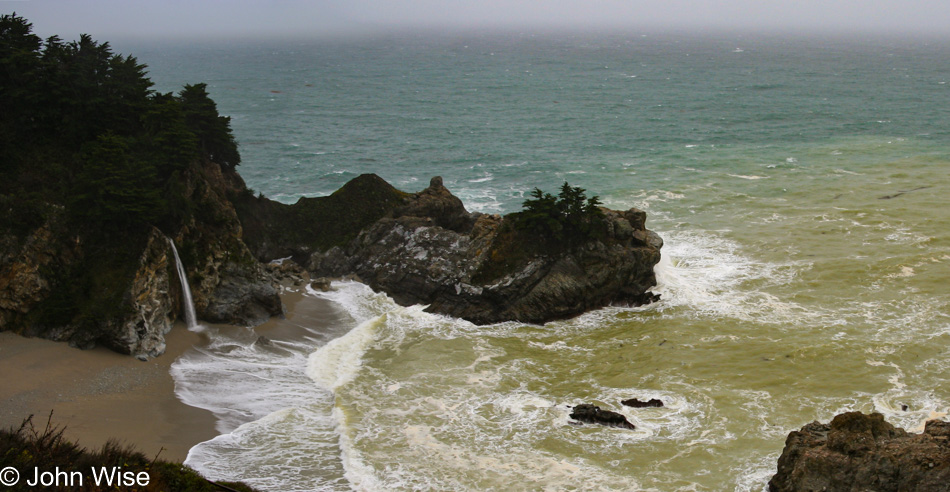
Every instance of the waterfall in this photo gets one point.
(190, 318)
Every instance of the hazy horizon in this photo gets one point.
(253, 19)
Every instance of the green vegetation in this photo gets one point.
(547, 225)
(570, 217)
(90, 152)
(81, 128)
(28, 448)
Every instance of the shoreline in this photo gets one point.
(98, 395)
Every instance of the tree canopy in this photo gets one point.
(80, 126)
(569, 217)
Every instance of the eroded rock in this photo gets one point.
(635, 403)
(482, 268)
(863, 452)
(593, 414)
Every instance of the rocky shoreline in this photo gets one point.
(863, 452)
(419, 248)
(133, 294)
(482, 268)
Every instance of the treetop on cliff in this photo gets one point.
(569, 216)
(81, 126)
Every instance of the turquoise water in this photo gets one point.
(799, 183)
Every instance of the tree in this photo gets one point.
(212, 130)
(568, 217)
(19, 62)
(113, 189)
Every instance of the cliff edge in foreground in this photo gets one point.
(863, 452)
(425, 248)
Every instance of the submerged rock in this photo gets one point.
(635, 403)
(593, 414)
(863, 452)
(483, 268)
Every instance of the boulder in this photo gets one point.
(635, 403)
(485, 269)
(863, 452)
(593, 414)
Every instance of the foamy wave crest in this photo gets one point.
(337, 362)
(291, 449)
(240, 381)
(710, 275)
(279, 429)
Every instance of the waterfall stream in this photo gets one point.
(191, 319)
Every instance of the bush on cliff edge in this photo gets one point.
(28, 448)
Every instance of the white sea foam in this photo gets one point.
(240, 381)
(706, 273)
(278, 427)
(337, 362)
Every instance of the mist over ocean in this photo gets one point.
(799, 182)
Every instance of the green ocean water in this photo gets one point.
(799, 183)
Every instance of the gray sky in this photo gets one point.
(105, 19)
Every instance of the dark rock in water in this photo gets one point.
(863, 452)
(321, 284)
(485, 268)
(635, 403)
(592, 414)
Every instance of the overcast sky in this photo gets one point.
(105, 19)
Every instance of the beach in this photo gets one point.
(99, 395)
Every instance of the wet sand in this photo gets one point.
(99, 395)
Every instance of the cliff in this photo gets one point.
(97, 171)
(121, 289)
(425, 248)
(863, 452)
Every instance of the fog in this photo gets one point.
(106, 19)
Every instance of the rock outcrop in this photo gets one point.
(123, 292)
(636, 403)
(863, 452)
(228, 283)
(485, 269)
(592, 414)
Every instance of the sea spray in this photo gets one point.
(191, 319)
(277, 428)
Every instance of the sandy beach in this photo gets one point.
(99, 394)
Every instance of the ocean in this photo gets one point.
(799, 182)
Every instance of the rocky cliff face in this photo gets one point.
(228, 284)
(863, 452)
(430, 250)
(29, 265)
(124, 292)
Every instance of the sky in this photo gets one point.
(105, 19)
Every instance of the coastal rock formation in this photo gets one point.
(94, 175)
(636, 403)
(228, 284)
(151, 305)
(28, 268)
(54, 285)
(593, 414)
(863, 452)
(483, 268)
